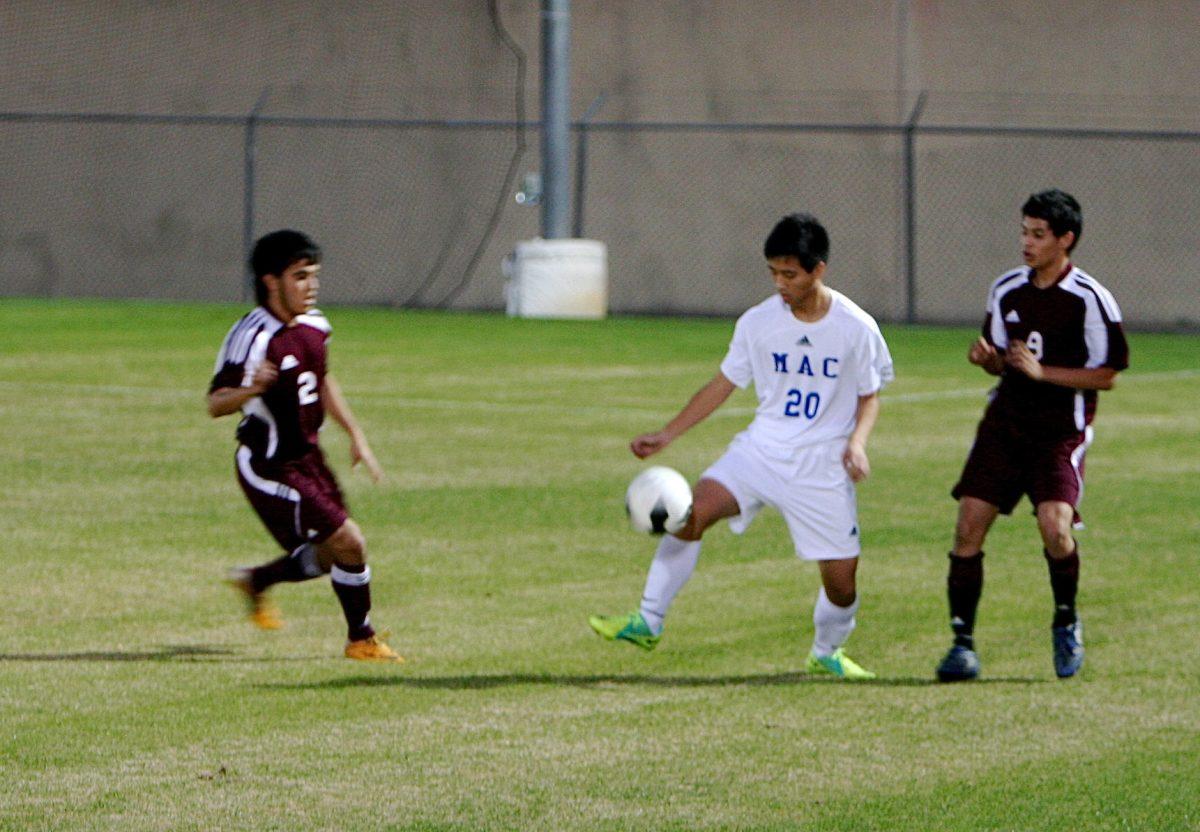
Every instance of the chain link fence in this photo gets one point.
(420, 214)
(415, 206)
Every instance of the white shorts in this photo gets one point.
(811, 490)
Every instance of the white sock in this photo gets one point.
(673, 564)
(833, 624)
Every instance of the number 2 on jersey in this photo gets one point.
(307, 382)
(797, 400)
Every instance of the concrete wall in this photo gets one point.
(423, 216)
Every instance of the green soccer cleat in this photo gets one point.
(839, 665)
(630, 627)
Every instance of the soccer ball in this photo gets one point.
(659, 500)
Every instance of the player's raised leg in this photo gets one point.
(673, 564)
(280, 506)
(345, 552)
(253, 582)
(833, 621)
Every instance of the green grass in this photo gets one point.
(134, 696)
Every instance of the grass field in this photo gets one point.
(133, 695)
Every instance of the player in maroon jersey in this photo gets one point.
(1053, 334)
(273, 368)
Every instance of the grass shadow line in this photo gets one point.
(177, 654)
(501, 680)
(185, 652)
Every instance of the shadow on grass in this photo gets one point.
(167, 653)
(486, 682)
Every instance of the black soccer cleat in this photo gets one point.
(1068, 649)
(960, 665)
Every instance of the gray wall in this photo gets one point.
(423, 215)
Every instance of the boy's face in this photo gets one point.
(791, 280)
(296, 289)
(1040, 248)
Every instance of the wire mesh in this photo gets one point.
(142, 144)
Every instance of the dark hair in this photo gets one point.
(1057, 208)
(800, 236)
(274, 252)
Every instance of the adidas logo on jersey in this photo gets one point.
(1012, 317)
(288, 362)
(804, 342)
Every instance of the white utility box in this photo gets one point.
(557, 279)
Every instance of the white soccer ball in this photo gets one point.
(659, 500)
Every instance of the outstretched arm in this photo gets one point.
(855, 460)
(339, 409)
(707, 399)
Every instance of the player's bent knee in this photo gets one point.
(703, 518)
(838, 579)
(694, 529)
(841, 596)
(1059, 542)
(975, 518)
(968, 539)
(1055, 526)
(347, 545)
(713, 502)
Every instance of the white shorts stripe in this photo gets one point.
(1077, 460)
(275, 489)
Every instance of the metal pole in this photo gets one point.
(910, 210)
(581, 163)
(556, 104)
(248, 160)
(902, 50)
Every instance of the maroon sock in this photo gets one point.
(964, 585)
(300, 565)
(352, 584)
(1064, 581)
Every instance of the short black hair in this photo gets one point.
(1059, 209)
(274, 252)
(801, 236)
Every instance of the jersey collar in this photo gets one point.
(1061, 277)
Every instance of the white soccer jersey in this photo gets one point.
(807, 376)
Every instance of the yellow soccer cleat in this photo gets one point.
(262, 613)
(372, 649)
(839, 665)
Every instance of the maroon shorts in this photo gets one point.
(299, 501)
(1006, 463)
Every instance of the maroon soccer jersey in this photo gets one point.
(1074, 323)
(281, 424)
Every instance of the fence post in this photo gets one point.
(556, 102)
(581, 162)
(910, 210)
(248, 149)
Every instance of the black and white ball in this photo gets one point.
(658, 501)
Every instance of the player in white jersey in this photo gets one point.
(817, 362)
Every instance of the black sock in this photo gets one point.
(1064, 581)
(300, 565)
(964, 585)
(352, 584)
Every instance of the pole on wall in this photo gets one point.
(557, 276)
(910, 210)
(249, 157)
(556, 105)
